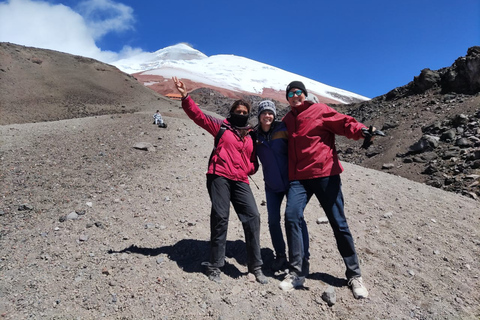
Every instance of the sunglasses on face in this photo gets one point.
(296, 93)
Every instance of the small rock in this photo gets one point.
(99, 224)
(322, 220)
(251, 277)
(388, 215)
(106, 271)
(146, 146)
(388, 166)
(83, 237)
(25, 207)
(329, 296)
(72, 216)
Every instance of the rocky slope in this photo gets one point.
(93, 225)
(432, 126)
(44, 85)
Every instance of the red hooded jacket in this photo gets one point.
(234, 157)
(311, 140)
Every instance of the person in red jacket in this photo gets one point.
(232, 161)
(314, 169)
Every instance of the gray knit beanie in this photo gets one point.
(267, 105)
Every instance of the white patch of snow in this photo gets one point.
(151, 83)
(224, 71)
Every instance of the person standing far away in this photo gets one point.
(232, 161)
(314, 169)
(272, 150)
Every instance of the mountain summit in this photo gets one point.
(224, 73)
(158, 59)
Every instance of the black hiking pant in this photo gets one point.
(222, 191)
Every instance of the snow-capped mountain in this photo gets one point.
(227, 72)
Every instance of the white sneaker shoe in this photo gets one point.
(358, 288)
(291, 281)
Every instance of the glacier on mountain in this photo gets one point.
(230, 72)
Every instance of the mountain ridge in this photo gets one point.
(222, 72)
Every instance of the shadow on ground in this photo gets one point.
(190, 253)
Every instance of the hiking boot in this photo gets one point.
(213, 274)
(358, 288)
(259, 276)
(291, 281)
(279, 264)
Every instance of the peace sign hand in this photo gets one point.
(180, 86)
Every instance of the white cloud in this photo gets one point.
(58, 27)
(104, 16)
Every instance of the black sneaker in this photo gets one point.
(279, 263)
(213, 274)
(259, 276)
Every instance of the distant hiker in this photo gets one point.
(158, 120)
(314, 169)
(272, 150)
(232, 160)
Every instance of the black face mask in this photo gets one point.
(238, 120)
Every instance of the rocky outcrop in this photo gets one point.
(462, 77)
(432, 126)
(450, 152)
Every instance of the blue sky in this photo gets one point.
(367, 47)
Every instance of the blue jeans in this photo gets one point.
(274, 202)
(329, 193)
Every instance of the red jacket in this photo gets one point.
(311, 140)
(234, 157)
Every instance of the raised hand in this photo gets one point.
(180, 86)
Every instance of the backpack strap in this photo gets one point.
(217, 140)
(254, 135)
(219, 135)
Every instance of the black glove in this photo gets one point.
(368, 134)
